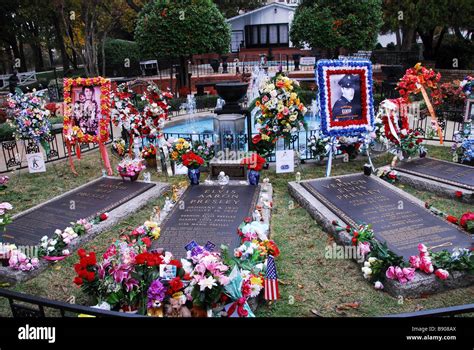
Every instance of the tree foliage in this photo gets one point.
(181, 28)
(330, 24)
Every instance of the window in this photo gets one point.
(266, 35)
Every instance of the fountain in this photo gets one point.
(229, 124)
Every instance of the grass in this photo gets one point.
(310, 284)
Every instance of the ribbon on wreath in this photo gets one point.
(105, 158)
(434, 121)
(239, 306)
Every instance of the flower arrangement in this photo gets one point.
(280, 112)
(127, 276)
(30, 117)
(191, 160)
(57, 245)
(319, 146)
(254, 162)
(208, 277)
(20, 261)
(178, 148)
(205, 149)
(416, 77)
(4, 182)
(5, 218)
(406, 142)
(148, 152)
(149, 230)
(453, 94)
(380, 262)
(144, 120)
(74, 133)
(130, 167)
(119, 146)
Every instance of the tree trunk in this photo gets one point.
(439, 41)
(183, 72)
(60, 41)
(38, 54)
(427, 38)
(408, 38)
(399, 39)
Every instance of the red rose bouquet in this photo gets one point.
(254, 162)
(192, 160)
(467, 221)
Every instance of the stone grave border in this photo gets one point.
(442, 187)
(421, 285)
(8, 275)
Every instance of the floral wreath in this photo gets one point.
(74, 133)
(362, 68)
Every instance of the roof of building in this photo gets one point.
(275, 4)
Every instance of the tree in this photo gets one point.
(180, 29)
(231, 8)
(431, 19)
(329, 24)
(87, 24)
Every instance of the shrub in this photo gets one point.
(117, 51)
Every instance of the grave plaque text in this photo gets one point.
(86, 202)
(360, 199)
(207, 213)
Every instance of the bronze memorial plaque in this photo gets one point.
(86, 202)
(207, 213)
(441, 171)
(402, 224)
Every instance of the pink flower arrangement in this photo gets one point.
(19, 261)
(130, 167)
(423, 262)
(403, 275)
(364, 248)
(208, 276)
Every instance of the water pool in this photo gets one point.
(206, 125)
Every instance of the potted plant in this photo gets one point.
(192, 161)
(56, 247)
(254, 165)
(130, 168)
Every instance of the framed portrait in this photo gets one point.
(469, 112)
(86, 110)
(345, 96)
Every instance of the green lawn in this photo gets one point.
(310, 284)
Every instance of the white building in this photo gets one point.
(267, 26)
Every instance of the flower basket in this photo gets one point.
(132, 178)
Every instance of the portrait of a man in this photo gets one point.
(86, 110)
(346, 94)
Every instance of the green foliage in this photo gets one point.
(454, 48)
(181, 28)
(351, 24)
(117, 51)
(444, 260)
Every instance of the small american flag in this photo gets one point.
(271, 280)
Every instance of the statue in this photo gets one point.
(222, 179)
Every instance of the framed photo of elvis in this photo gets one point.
(345, 96)
(86, 110)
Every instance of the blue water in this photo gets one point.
(206, 125)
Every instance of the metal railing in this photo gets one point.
(13, 152)
(450, 311)
(25, 305)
